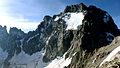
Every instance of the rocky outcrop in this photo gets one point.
(76, 8)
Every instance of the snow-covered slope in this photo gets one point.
(59, 62)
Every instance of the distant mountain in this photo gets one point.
(79, 37)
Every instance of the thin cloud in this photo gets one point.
(11, 19)
(18, 22)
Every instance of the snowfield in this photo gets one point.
(57, 18)
(59, 62)
(74, 21)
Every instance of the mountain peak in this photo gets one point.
(79, 37)
(75, 8)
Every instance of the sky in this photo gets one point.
(27, 14)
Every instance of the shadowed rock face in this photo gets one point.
(97, 30)
(97, 26)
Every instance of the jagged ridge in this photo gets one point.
(56, 35)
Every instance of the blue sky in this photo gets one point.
(27, 14)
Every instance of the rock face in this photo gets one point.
(97, 30)
(10, 42)
(82, 33)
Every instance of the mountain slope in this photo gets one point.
(79, 37)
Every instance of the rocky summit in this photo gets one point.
(79, 37)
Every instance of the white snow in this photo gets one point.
(23, 60)
(74, 20)
(94, 60)
(59, 62)
(57, 18)
(32, 37)
(48, 40)
(109, 57)
(50, 37)
(74, 53)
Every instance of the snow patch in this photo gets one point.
(74, 53)
(49, 38)
(57, 18)
(109, 57)
(94, 60)
(74, 20)
(60, 62)
(32, 37)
